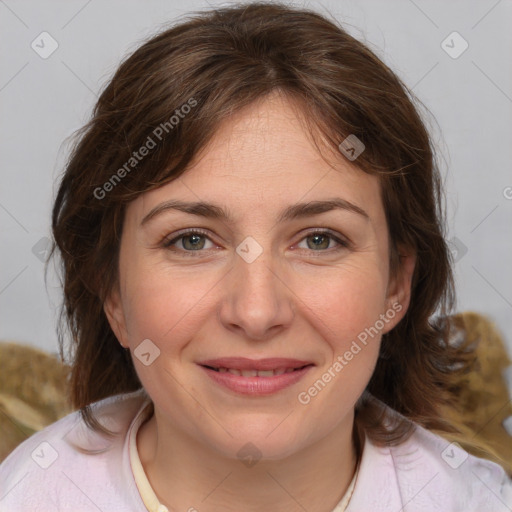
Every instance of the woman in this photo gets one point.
(252, 247)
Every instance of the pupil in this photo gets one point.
(192, 242)
(317, 241)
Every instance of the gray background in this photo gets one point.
(43, 101)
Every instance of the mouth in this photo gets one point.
(241, 365)
(256, 373)
(255, 377)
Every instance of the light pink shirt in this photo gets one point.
(47, 472)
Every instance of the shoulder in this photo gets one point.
(63, 465)
(425, 473)
(445, 474)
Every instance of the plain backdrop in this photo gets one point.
(43, 100)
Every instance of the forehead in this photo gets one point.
(264, 155)
(270, 131)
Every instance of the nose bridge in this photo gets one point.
(256, 301)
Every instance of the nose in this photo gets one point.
(257, 303)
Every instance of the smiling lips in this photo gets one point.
(255, 377)
(244, 367)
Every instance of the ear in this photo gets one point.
(399, 288)
(113, 309)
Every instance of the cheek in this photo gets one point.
(345, 304)
(346, 313)
(163, 307)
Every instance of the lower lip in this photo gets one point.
(256, 385)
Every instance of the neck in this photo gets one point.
(187, 475)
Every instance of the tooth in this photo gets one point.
(254, 373)
(249, 373)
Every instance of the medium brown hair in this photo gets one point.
(218, 62)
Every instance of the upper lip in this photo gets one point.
(243, 363)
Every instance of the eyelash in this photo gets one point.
(167, 244)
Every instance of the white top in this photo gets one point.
(67, 467)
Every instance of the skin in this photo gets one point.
(295, 300)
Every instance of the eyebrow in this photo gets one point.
(296, 211)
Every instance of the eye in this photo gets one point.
(189, 241)
(196, 240)
(323, 240)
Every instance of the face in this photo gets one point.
(267, 279)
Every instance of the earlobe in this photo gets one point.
(114, 312)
